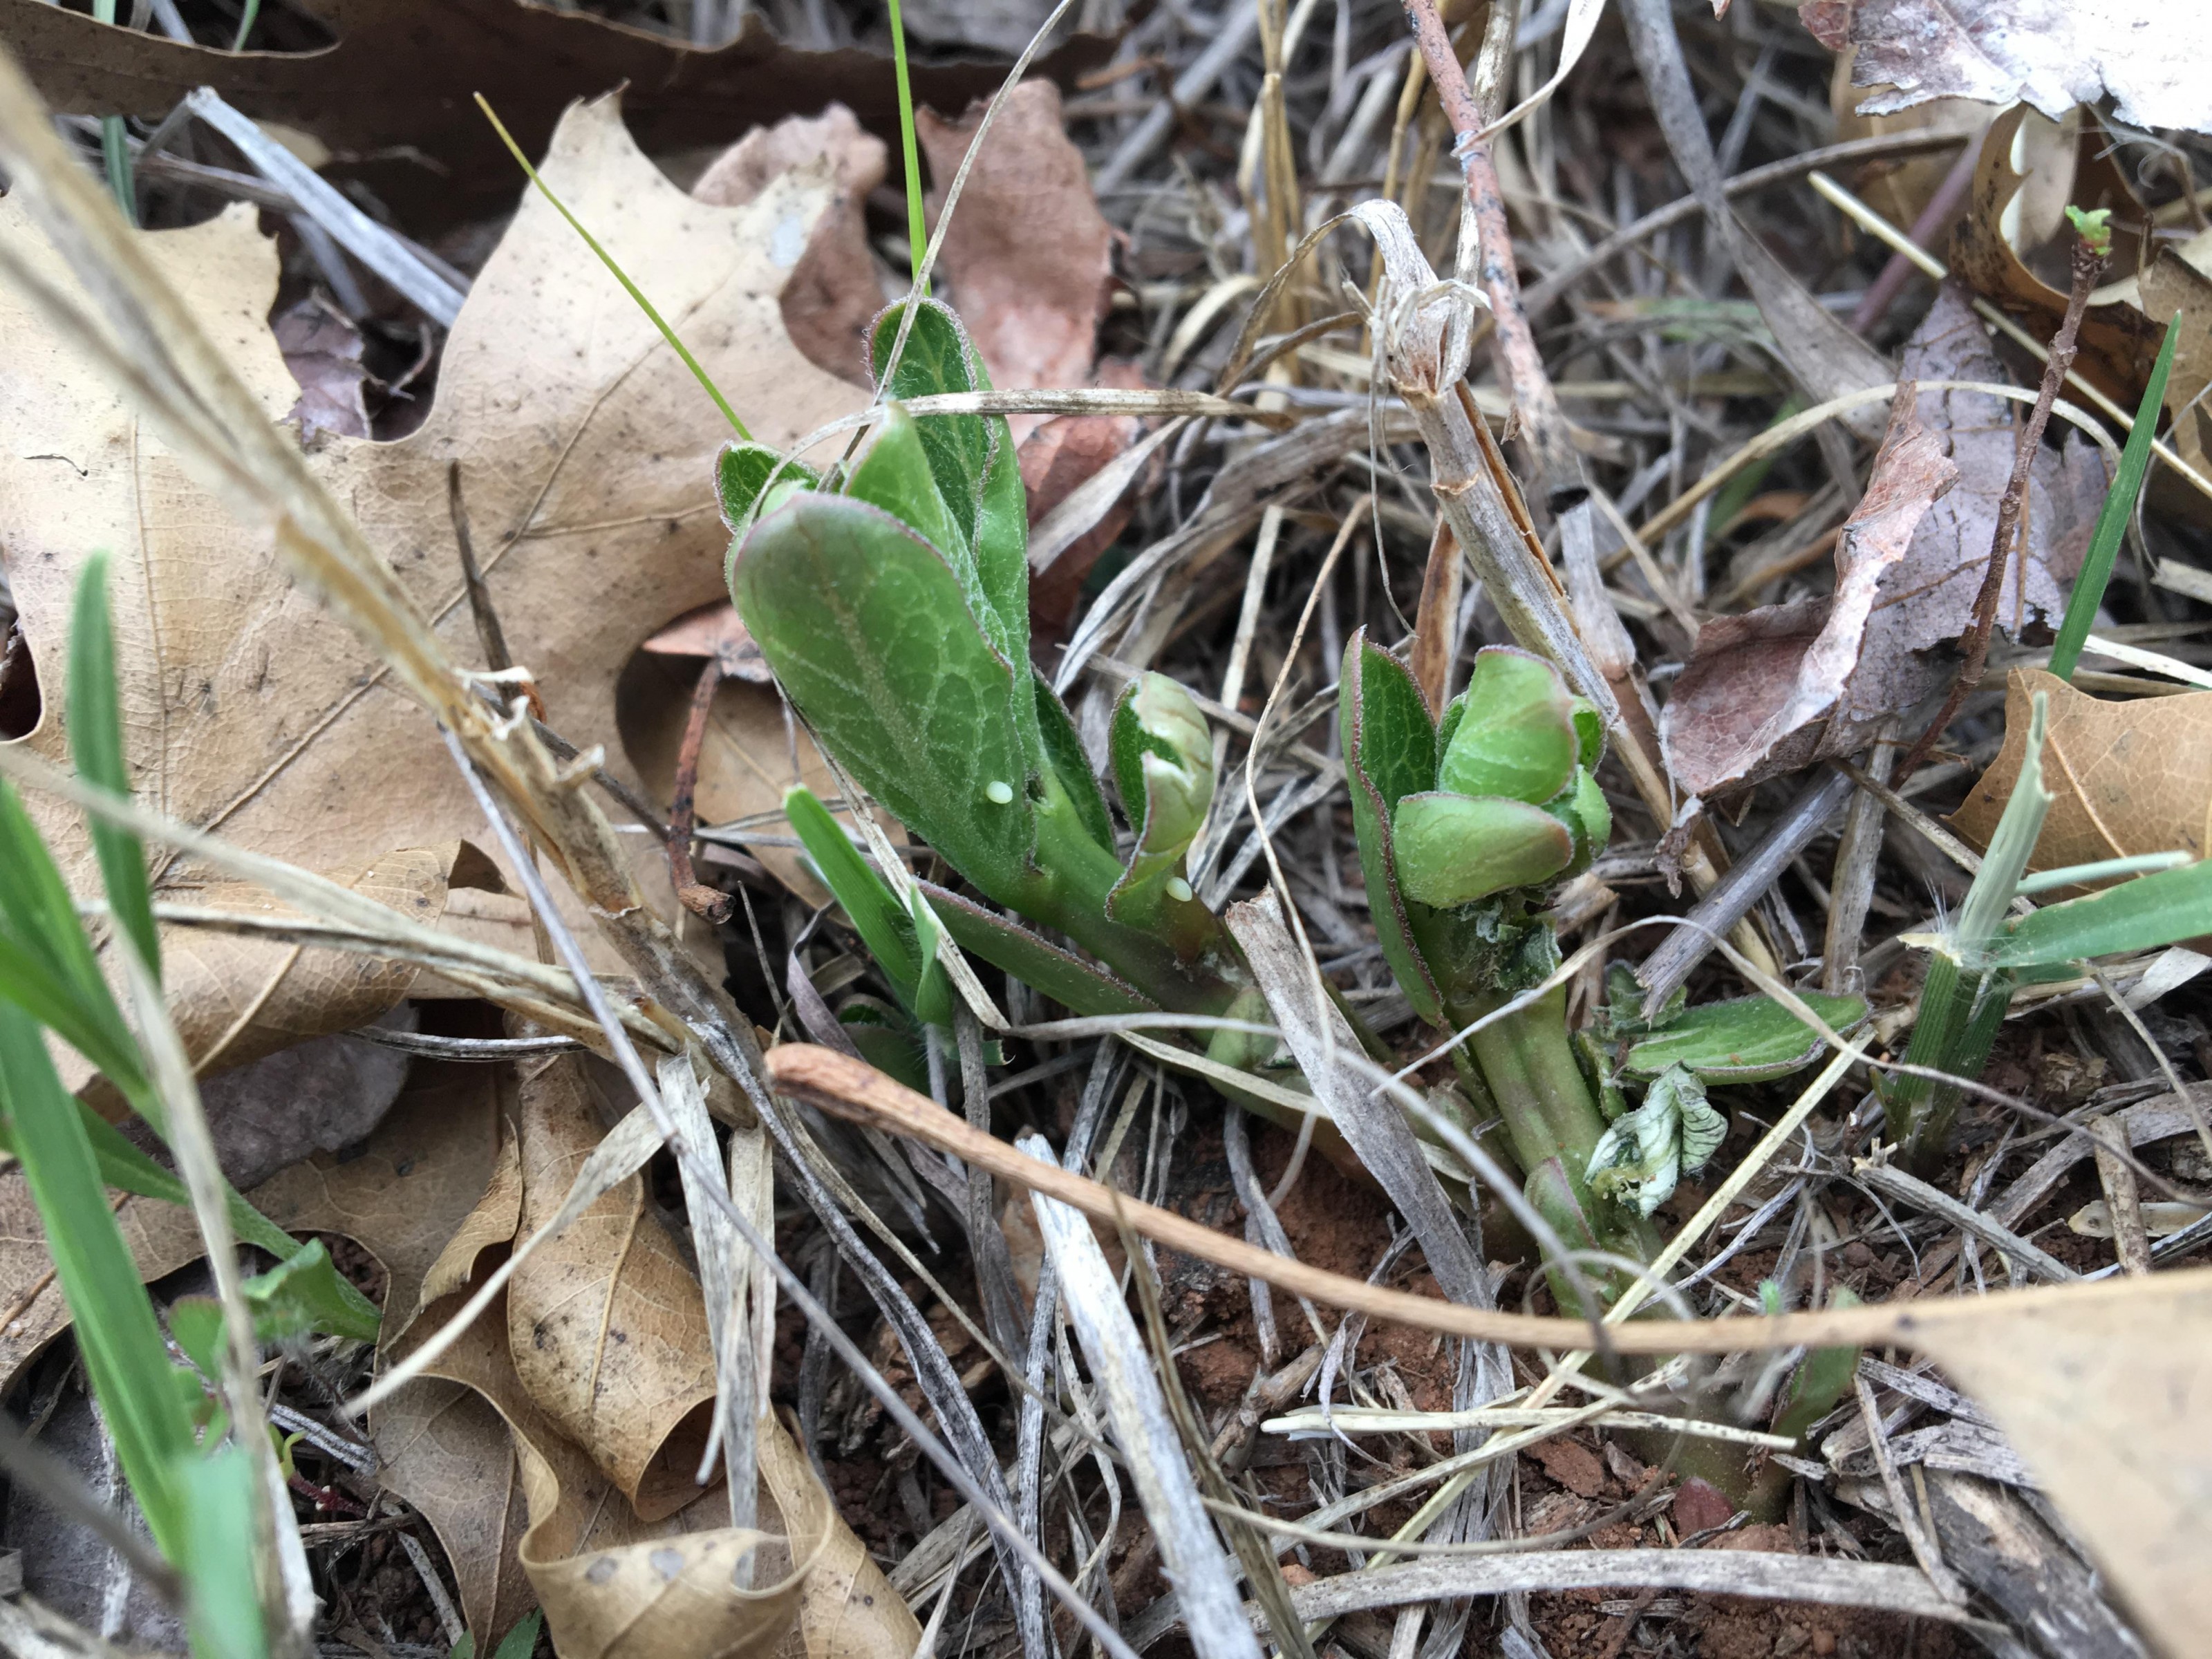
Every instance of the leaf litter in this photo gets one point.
(553, 1450)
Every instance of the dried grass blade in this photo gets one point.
(1121, 1367)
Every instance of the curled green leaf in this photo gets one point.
(1515, 735)
(1643, 1155)
(1453, 849)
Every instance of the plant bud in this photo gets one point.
(1514, 732)
(1162, 755)
(1453, 849)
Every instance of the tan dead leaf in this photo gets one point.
(236, 998)
(848, 1608)
(483, 1238)
(2105, 1401)
(1760, 695)
(2172, 288)
(418, 1176)
(2012, 245)
(1028, 257)
(1754, 675)
(2132, 776)
(606, 1322)
(585, 454)
(833, 292)
(461, 1444)
(2146, 54)
(392, 92)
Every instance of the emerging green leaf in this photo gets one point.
(742, 472)
(1061, 974)
(1063, 752)
(1517, 736)
(1453, 849)
(1162, 753)
(1742, 1040)
(1389, 752)
(868, 629)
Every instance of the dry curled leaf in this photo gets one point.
(2147, 55)
(1744, 708)
(607, 1326)
(585, 453)
(1028, 257)
(2012, 245)
(392, 94)
(833, 292)
(471, 1446)
(2131, 777)
(1760, 695)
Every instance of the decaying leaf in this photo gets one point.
(2011, 244)
(1063, 453)
(1899, 187)
(1027, 257)
(1760, 695)
(2132, 776)
(832, 292)
(394, 89)
(236, 998)
(584, 475)
(322, 348)
(2053, 54)
(1745, 707)
(608, 1329)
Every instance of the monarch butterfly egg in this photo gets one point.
(998, 792)
(1178, 890)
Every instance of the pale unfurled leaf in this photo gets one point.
(1642, 1156)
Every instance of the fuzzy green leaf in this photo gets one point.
(1042, 966)
(1582, 807)
(1453, 849)
(1063, 752)
(1389, 752)
(1743, 1040)
(1517, 737)
(744, 470)
(868, 629)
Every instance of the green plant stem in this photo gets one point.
(917, 232)
(1069, 890)
(1529, 1062)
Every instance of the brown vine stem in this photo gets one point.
(2089, 268)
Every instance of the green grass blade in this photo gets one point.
(917, 234)
(2142, 915)
(39, 919)
(95, 730)
(2112, 521)
(869, 903)
(116, 1334)
(617, 271)
(522, 1641)
(224, 1602)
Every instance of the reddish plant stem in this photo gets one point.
(1543, 426)
(696, 897)
(2088, 267)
